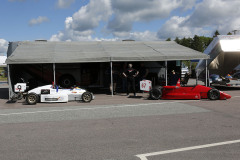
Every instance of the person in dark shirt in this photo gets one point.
(173, 78)
(130, 74)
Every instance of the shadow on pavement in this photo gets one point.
(226, 88)
(135, 97)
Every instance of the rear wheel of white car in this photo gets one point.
(32, 98)
(155, 93)
(213, 94)
(87, 97)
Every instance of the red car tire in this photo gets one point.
(155, 93)
(213, 94)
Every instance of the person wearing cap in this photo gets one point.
(130, 73)
(173, 78)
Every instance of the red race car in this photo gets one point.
(187, 92)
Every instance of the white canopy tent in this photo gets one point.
(99, 51)
(75, 52)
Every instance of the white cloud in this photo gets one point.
(184, 18)
(82, 24)
(64, 3)
(208, 16)
(38, 20)
(117, 17)
(219, 14)
(89, 16)
(127, 12)
(70, 34)
(187, 4)
(175, 27)
(3, 46)
(137, 36)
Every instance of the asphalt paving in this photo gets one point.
(121, 128)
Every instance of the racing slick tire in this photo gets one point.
(32, 98)
(87, 97)
(155, 93)
(213, 94)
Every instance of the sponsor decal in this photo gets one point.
(144, 85)
(52, 99)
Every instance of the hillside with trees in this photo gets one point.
(198, 43)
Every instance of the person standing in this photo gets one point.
(130, 74)
(173, 78)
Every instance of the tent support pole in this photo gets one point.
(111, 78)
(206, 82)
(197, 78)
(10, 90)
(166, 71)
(190, 70)
(208, 78)
(54, 74)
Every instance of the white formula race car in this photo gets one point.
(51, 93)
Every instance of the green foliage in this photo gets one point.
(216, 34)
(169, 39)
(2, 77)
(198, 43)
(177, 40)
(190, 64)
(187, 42)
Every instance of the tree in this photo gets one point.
(216, 34)
(229, 33)
(197, 44)
(205, 42)
(186, 42)
(169, 39)
(177, 40)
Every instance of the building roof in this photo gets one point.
(99, 51)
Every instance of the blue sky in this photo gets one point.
(17, 14)
(90, 20)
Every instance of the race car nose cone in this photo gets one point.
(226, 96)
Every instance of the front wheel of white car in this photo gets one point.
(87, 97)
(32, 98)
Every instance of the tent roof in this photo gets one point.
(103, 51)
